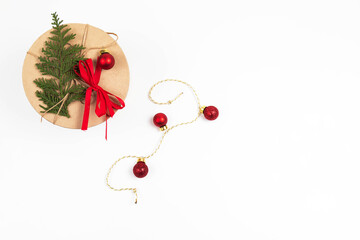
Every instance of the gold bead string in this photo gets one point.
(166, 131)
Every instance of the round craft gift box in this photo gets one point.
(115, 81)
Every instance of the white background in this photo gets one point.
(280, 162)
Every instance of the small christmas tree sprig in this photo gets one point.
(58, 62)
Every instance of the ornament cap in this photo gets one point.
(163, 128)
(104, 51)
(141, 159)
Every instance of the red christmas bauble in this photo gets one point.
(140, 169)
(211, 113)
(160, 119)
(106, 61)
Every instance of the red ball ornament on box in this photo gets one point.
(140, 169)
(106, 60)
(160, 120)
(211, 113)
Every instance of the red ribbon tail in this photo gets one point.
(104, 105)
(106, 128)
(87, 109)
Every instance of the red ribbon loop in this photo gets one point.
(104, 105)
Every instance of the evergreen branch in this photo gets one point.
(58, 62)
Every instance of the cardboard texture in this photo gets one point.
(115, 80)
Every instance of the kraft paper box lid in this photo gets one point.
(115, 80)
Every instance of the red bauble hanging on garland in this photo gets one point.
(140, 169)
(211, 113)
(160, 120)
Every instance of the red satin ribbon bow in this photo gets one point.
(104, 105)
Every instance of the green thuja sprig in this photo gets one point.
(58, 62)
